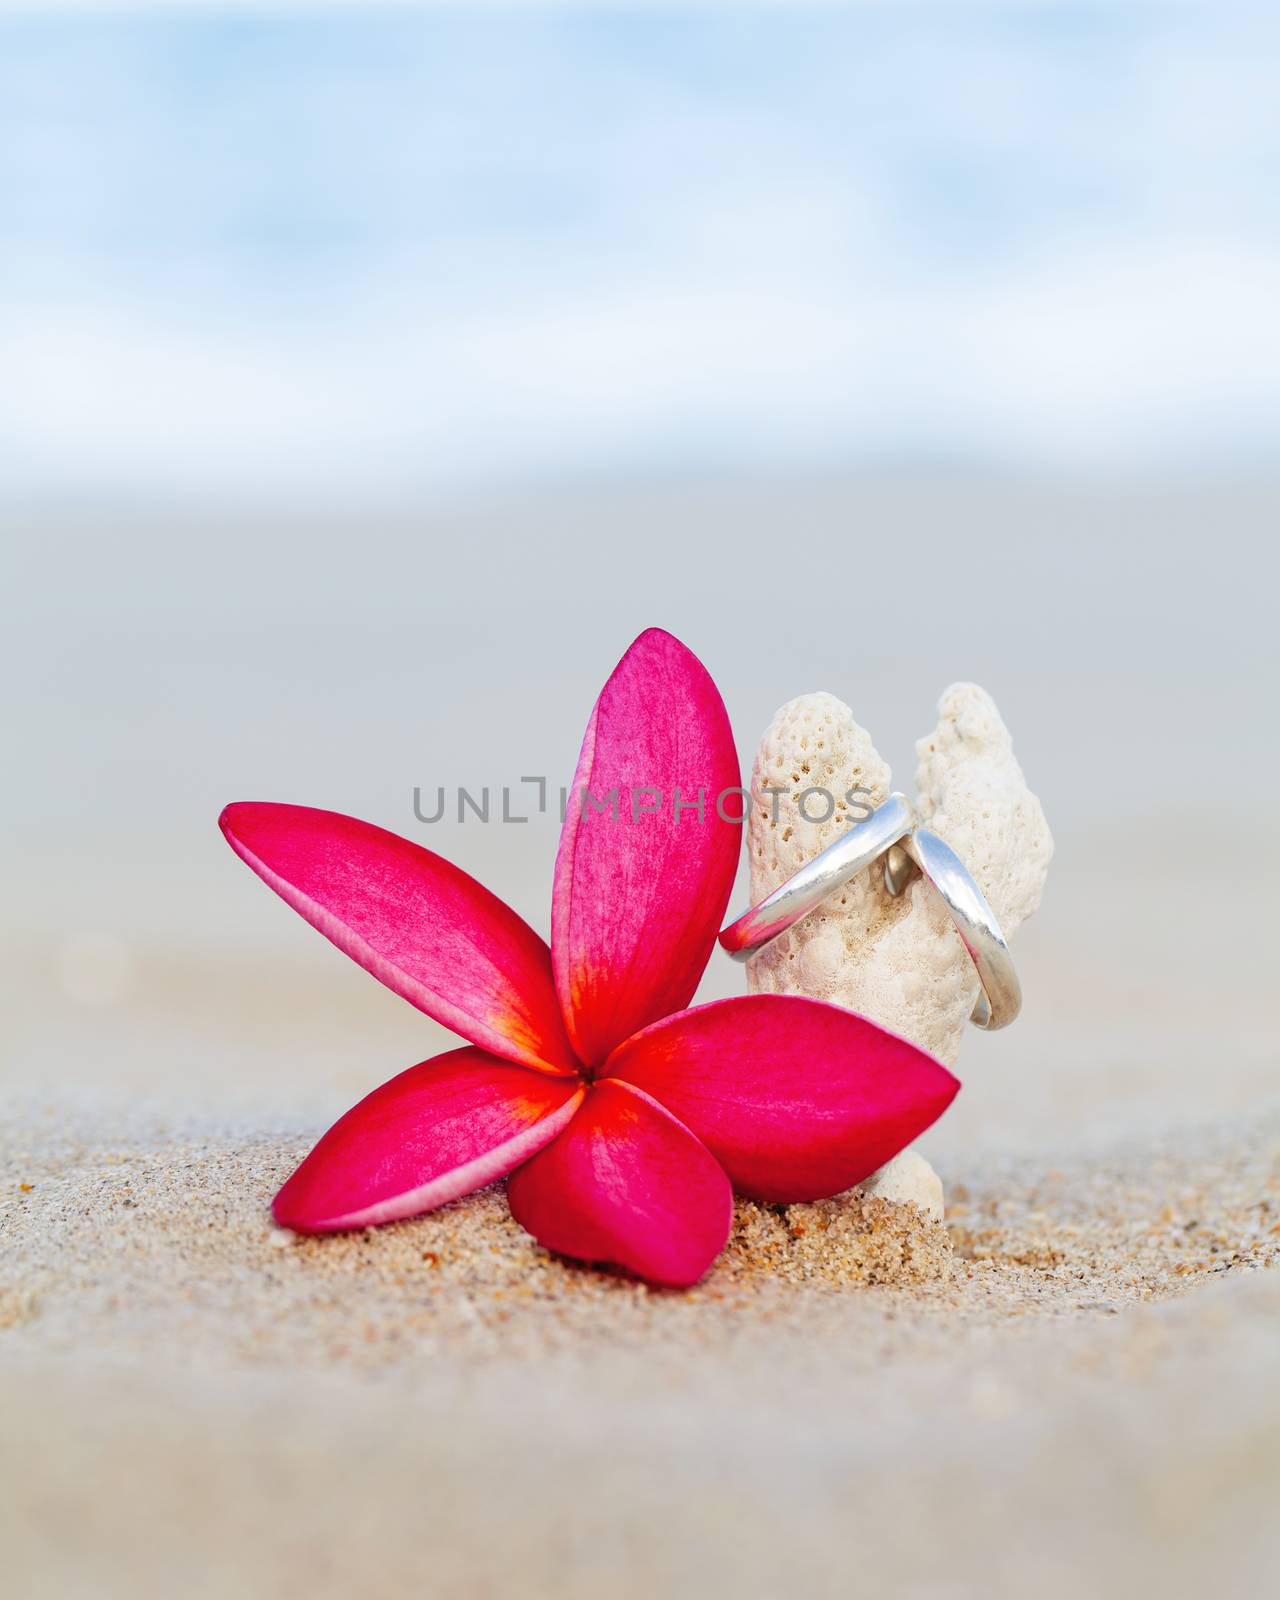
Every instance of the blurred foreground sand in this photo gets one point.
(1077, 1385)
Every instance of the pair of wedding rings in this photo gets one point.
(892, 832)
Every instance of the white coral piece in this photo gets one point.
(899, 961)
(908, 1180)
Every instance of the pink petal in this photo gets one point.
(637, 903)
(796, 1099)
(626, 1184)
(417, 923)
(438, 1131)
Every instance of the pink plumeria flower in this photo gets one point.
(622, 1121)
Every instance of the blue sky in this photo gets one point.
(287, 254)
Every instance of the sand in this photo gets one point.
(1073, 1388)
(1075, 1381)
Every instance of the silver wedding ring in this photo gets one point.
(1000, 997)
(891, 831)
(819, 879)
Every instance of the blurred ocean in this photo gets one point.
(256, 253)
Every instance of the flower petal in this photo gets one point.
(627, 1184)
(435, 1132)
(640, 896)
(416, 922)
(795, 1098)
